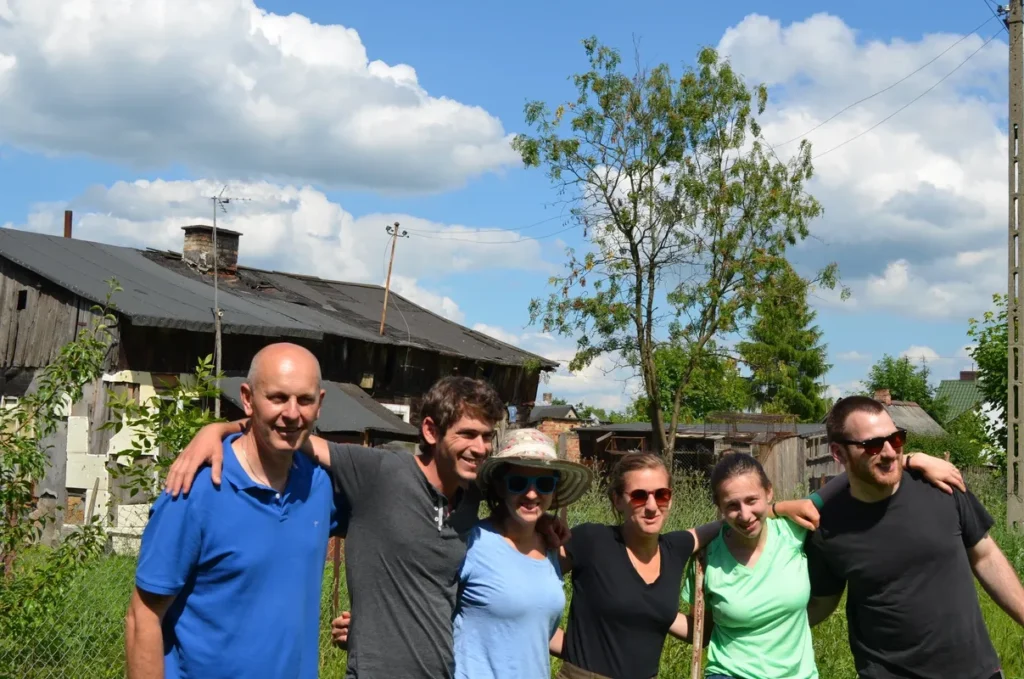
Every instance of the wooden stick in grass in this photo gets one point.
(698, 614)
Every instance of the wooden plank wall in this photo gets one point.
(32, 337)
(784, 463)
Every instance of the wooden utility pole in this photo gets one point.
(699, 564)
(395, 235)
(216, 307)
(1015, 339)
(219, 201)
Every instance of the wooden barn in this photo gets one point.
(793, 455)
(165, 324)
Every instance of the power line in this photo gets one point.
(886, 89)
(493, 230)
(521, 239)
(912, 101)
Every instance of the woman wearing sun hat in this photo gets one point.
(510, 596)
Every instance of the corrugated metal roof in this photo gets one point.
(346, 409)
(912, 417)
(162, 291)
(960, 396)
(803, 430)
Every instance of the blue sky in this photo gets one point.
(330, 146)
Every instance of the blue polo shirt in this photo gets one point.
(246, 566)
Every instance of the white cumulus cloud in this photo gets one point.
(915, 207)
(920, 354)
(229, 89)
(293, 228)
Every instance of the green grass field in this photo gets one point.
(87, 640)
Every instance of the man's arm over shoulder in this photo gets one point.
(170, 551)
(353, 468)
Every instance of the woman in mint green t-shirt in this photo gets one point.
(756, 584)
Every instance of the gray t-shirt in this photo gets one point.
(402, 558)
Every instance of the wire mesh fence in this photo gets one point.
(87, 639)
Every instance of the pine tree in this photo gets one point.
(784, 351)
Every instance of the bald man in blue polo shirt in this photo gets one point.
(229, 577)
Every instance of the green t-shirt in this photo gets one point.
(761, 629)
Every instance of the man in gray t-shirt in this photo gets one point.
(409, 517)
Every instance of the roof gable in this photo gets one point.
(565, 412)
(960, 396)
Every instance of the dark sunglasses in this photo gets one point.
(518, 483)
(662, 496)
(874, 446)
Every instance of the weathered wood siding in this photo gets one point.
(784, 463)
(37, 318)
(821, 466)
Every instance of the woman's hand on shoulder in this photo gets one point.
(936, 471)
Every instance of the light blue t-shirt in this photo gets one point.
(509, 606)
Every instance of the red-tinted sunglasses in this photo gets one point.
(874, 446)
(662, 496)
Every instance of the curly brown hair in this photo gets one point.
(456, 396)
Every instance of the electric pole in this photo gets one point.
(395, 235)
(219, 201)
(1015, 339)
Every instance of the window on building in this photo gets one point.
(22, 299)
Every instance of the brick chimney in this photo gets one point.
(968, 375)
(884, 397)
(546, 398)
(67, 223)
(198, 250)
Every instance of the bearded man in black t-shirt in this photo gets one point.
(908, 553)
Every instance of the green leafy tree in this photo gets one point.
(687, 210)
(990, 355)
(784, 351)
(906, 382)
(161, 427)
(966, 441)
(33, 591)
(715, 385)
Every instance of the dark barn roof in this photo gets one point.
(346, 409)
(161, 290)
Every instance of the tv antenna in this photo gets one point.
(219, 202)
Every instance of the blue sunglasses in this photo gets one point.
(519, 483)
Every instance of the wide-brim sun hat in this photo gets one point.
(534, 448)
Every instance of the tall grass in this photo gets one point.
(87, 641)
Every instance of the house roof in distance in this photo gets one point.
(960, 396)
(539, 413)
(161, 290)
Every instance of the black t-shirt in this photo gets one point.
(912, 606)
(617, 622)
